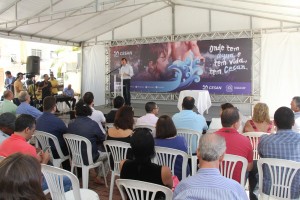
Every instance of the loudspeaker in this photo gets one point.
(33, 65)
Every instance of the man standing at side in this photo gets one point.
(208, 183)
(126, 72)
(295, 106)
(285, 144)
(236, 143)
(9, 81)
(150, 117)
(49, 123)
(18, 87)
(7, 105)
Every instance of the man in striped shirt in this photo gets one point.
(208, 183)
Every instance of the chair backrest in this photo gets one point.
(43, 138)
(190, 136)
(74, 143)
(152, 128)
(282, 174)
(167, 157)
(54, 178)
(228, 166)
(136, 190)
(118, 150)
(254, 139)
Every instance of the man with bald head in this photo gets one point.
(7, 104)
(69, 92)
(208, 183)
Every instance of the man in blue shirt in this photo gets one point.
(25, 107)
(49, 123)
(208, 183)
(68, 91)
(285, 144)
(188, 119)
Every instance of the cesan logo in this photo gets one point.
(229, 88)
(122, 53)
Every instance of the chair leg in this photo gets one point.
(104, 175)
(112, 183)
(194, 164)
(85, 177)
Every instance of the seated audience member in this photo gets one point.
(86, 127)
(21, 178)
(118, 102)
(166, 136)
(49, 123)
(122, 129)
(295, 106)
(216, 122)
(68, 91)
(18, 143)
(285, 144)
(141, 168)
(150, 117)
(7, 125)
(188, 119)
(208, 183)
(25, 107)
(7, 105)
(260, 121)
(236, 143)
(97, 115)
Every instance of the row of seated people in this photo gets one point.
(83, 125)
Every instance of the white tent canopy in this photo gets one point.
(89, 23)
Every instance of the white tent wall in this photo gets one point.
(184, 20)
(280, 69)
(93, 73)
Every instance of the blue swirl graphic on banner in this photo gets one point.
(185, 73)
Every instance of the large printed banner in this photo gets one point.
(220, 66)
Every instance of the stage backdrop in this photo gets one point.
(220, 66)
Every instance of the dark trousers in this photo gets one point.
(16, 101)
(253, 182)
(126, 91)
(73, 102)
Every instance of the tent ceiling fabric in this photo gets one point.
(81, 20)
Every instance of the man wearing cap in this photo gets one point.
(7, 125)
(18, 87)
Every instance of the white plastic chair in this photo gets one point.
(74, 143)
(167, 157)
(254, 139)
(134, 189)
(119, 151)
(152, 128)
(280, 185)
(227, 166)
(54, 178)
(43, 138)
(190, 136)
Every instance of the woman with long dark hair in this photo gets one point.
(21, 178)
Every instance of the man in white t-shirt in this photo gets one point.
(97, 115)
(150, 117)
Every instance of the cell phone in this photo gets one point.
(46, 149)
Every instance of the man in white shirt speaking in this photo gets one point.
(126, 72)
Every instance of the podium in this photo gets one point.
(118, 86)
